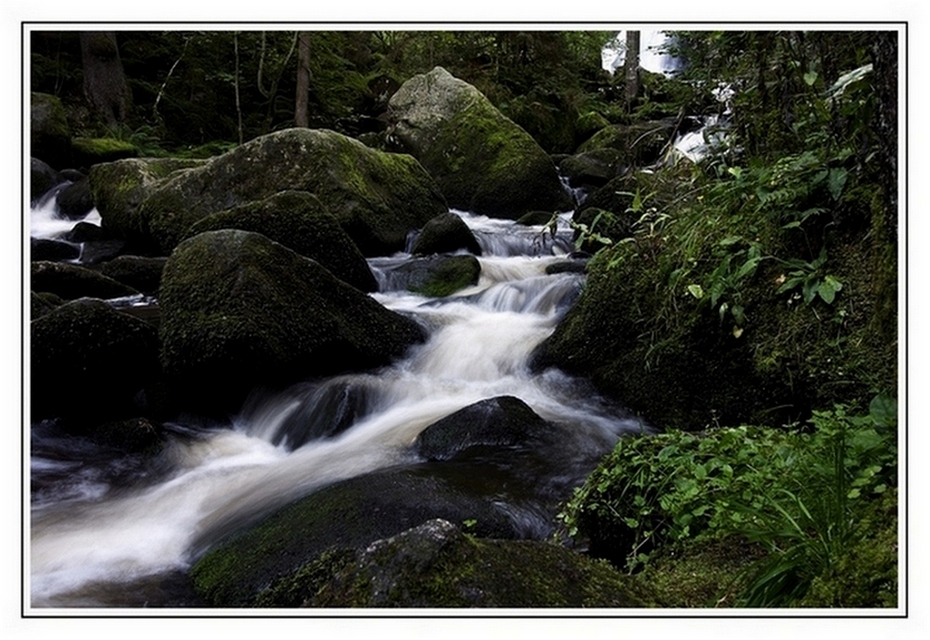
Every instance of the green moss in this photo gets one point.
(451, 274)
(90, 151)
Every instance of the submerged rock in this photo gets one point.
(300, 222)
(483, 162)
(239, 310)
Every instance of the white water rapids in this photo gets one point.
(90, 533)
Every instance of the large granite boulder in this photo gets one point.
(239, 310)
(377, 197)
(49, 132)
(300, 222)
(89, 360)
(483, 162)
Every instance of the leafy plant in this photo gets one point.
(811, 279)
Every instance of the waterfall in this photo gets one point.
(100, 521)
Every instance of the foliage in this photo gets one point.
(795, 493)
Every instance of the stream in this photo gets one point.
(116, 530)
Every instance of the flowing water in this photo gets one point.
(112, 530)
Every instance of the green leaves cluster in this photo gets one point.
(795, 492)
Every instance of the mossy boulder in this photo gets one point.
(49, 132)
(139, 272)
(88, 359)
(592, 169)
(119, 189)
(300, 222)
(483, 162)
(349, 514)
(41, 303)
(436, 565)
(377, 197)
(90, 151)
(435, 276)
(640, 144)
(446, 233)
(71, 281)
(239, 310)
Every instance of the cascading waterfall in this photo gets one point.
(102, 520)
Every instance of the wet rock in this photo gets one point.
(593, 169)
(41, 179)
(89, 360)
(640, 144)
(299, 221)
(500, 422)
(535, 218)
(436, 276)
(52, 250)
(87, 232)
(71, 282)
(41, 303)
(75, 200)
(483, 162)
(96, 251)
(239, 310)
(446, 233)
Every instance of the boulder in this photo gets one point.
(436, 565)
(641, 144)
(70, 282)
(119, 188)
(435, 276)
(483, 162)
(42, 303)
(88, 359)
(75, 201)
(49, 133)
(535, 218)
(41, 179)
(503, 422)
(300, 222)
(139, 272)
(377, 197)
(349, 514)
(52, 250)
(446, 233)
(592, 169)
(239, 310)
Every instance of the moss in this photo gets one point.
(90, 151)
(449, 275)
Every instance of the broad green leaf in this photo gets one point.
(826, 291)
(810, 78)
(836, 180)
(883, 410)
(696, 291)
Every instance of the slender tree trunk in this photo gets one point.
(301, 110)
(105, 84)
(631, 67)
(236, 84)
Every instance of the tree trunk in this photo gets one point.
(631, 67)
(301, 111)
(104, 80)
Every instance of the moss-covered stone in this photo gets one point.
(377, 197)
(350, 514)
(70, 282)
(89, 360)
(592, 169)
(299, 221)
(640, 144)
(90, 151)
(139, 272)
(49, 132)
(435, 565)
(437, 276)
(119, 189)
(483, 162)
(239, 310)
(75, 201)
